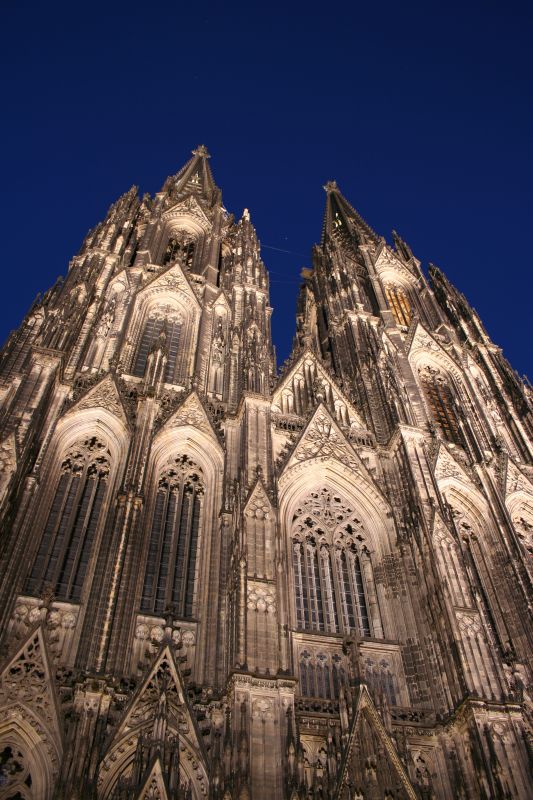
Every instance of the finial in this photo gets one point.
(201, 150)
(331, 186)
(246, 215)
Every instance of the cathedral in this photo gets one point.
(224, 580)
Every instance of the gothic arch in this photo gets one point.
(140, 719)
(441, 388)
(87, 442)
(119, 761)
(344, 559)
(372, 507)
(177, 223)
(520, 507)
(30, 736)
(108, 324)
(31, 772)
(400, 293)
(201, 448)
(468, 500)
(220, 320)
(167, 300)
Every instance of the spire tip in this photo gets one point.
(201, 150)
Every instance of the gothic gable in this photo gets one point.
(190, 207)
(421, 340)
(103, 395)
(27, 690)
(222, 301)
(154, 787)
(371, 762)
(8, 462)
(191, 412)
(171, 280)
(447, 467)
(516, 481)
(159, 712)
(323, 439)
(387, 261)
(258, 504)
(163, 679)
(310, 371)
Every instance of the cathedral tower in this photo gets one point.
(220, 581)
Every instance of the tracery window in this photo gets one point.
(329, 555)
(170, 575)
(167, 321)
(70, 530)
(441, 402)
(399, 304)
(15, 777)
(181, 248)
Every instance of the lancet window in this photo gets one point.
(170, 575)
(441, 401)
(399, 304)
(321, 675)
(163, 326)
(179, 248)
(70, 530)
(331, 567)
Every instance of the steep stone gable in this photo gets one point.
(309, 359)
(190, 207)
(371, 762)
(172, 279)
(8, 462)
(322, 439)
(103, 395)
(516, 481)
(27, 686)
(258, 504)
(191, 412)
(163, 679)
(387, 260)
(447, 467)
(154, 787)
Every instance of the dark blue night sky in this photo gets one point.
(422, 112)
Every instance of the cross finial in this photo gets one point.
(201, 150)
(331, 186)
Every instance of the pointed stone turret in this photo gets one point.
(195, 178)
(341, 218)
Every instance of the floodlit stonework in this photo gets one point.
(220, 581)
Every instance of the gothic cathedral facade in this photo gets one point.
(223, 581)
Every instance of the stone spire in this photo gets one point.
(195, 178)
(340, 218)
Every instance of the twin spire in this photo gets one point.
(195, 177)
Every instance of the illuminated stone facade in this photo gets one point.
(222, 581)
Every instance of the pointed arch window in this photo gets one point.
(156, 323)
(327, 547)
(399, 304)
(170, 574)
(69, 534)
(441, 401)
(179, 248)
